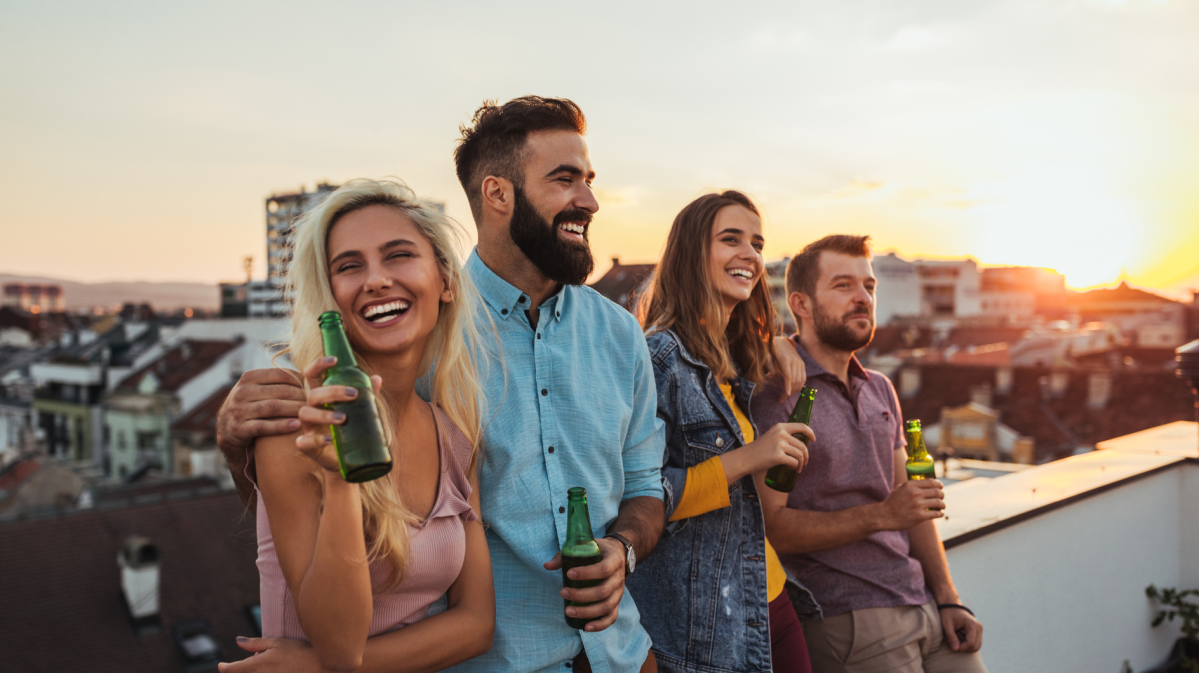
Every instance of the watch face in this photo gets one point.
(630, 560)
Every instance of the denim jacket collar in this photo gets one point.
(743, 389)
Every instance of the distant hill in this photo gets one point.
(165, 296)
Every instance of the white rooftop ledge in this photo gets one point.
(1055, 559)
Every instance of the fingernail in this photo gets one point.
(574, 575)
(243, 639)
(571, 611)
(330, 360)
(351, 392)
(293, 424)
(328, 439)
(338, 416)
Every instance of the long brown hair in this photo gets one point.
(683, 297)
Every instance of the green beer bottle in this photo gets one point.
(361, 450)
(781, 477)
(920, 465)
(580, 548)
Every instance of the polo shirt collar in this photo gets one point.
(813, 368)
(504, 298)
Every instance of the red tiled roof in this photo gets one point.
(1121, 294)
(1140, 399)
(63, 610)
(203, 417)
(621, 280)
(18, 472)
(180, 364)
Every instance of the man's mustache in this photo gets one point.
(572, 215)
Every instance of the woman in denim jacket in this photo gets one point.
(714, 596)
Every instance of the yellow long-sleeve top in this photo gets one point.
(707, 490)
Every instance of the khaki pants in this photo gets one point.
(881, 640)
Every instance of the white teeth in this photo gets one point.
(741, 273)
(377, 309)
(573, 228)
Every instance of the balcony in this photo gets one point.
(1055, 559)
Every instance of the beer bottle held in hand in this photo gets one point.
(781, 477)
(920, 464)
(362, 452)
(580, 549)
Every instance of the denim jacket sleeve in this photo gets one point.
(674, 479)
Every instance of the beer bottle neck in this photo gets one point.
(337, 344)
(916, 448)
(802, 413)
(578, 522)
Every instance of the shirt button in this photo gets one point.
(557, 315)
(561, 510)
(551, 449)
(539, 335)
(544, 391)
(504, 311)
(719, 442)
(522, 298)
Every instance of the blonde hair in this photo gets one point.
(452, 344)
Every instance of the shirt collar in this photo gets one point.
(505, 298)
(813, 368)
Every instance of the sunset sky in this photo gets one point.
(138, 140)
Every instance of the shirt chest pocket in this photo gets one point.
(883, 427)
(706, 441)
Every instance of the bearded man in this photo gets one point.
(574, 403)
(855, 530)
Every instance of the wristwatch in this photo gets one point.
(630, 556)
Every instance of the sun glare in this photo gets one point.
(1070, 222)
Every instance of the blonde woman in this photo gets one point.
(341, 562)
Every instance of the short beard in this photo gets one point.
(560, 261)
(837, 334)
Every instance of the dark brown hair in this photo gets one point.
(804, 269)
(494, 141)
(683, 298)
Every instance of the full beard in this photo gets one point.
(560, 261)
(837, 333)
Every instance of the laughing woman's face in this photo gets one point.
(385, 278)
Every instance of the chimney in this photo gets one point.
(1099, 389)
(909, 382)
(615, 262)
(138, 560)
(981, 394)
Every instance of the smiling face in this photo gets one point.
(735, 254)
(386, 280)
(552, 211)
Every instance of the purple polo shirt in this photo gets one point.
(851, 463)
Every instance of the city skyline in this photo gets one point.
(143, 141)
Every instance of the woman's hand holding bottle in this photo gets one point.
(776, 446)
(316, 440)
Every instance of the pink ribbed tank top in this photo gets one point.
(438, 548)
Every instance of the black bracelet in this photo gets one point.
(942, 606)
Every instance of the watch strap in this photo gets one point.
(628, 546)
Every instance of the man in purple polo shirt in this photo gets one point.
(855, 531)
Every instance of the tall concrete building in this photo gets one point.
(282, 210)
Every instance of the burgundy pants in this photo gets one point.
(788, 649)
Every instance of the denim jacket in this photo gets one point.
(702, 593)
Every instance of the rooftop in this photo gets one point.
(61, 585)
(1055, 559)
(178, 365)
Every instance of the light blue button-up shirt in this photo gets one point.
(578, 408)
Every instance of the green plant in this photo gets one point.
(1175, 604)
